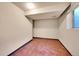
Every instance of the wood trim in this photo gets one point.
(19, 48)
(44, 38)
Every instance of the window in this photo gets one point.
(76, 18)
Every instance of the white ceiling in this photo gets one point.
(43, 10)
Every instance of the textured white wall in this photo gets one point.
(68, 35)
(46, 28)
(15, 28)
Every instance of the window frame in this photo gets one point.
(73, 24)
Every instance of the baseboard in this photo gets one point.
(45, 38)
(65, 47)
(19, 48)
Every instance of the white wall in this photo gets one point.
(15, 28)
(68, 35)
(46, 28)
